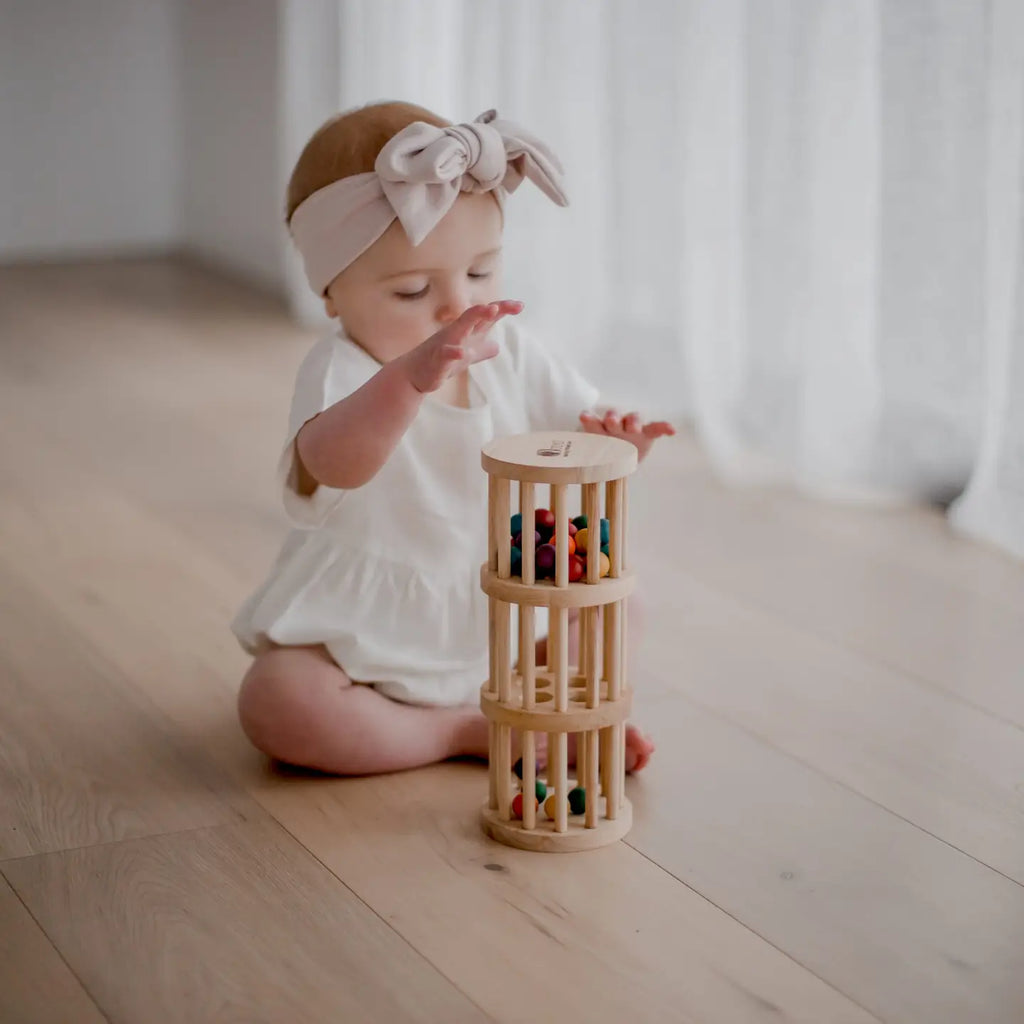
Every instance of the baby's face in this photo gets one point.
(395, 296)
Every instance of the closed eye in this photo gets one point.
(413, 295)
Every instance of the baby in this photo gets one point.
(369, 634)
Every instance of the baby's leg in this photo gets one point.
(297, 706)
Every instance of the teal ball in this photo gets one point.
(516, 525)
(606, 531)
(605, 551)
(577, 800)
(517, 562)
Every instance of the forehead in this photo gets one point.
(472, 226)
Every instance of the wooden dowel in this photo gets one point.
(492, 523)
(591, 785)
(581, 647)
(561, 653)
(614, 516)
(592, 641)
(529, 780)
(592, 510)
(581, 758)
(615, 775)
(604, 755)
(613, 648)
(561, 782)
(503, 648)
(528, 655)
(500, 526)
(504, 771)
(624, 527)
(527, 506)
(492, 765)
(561, 537)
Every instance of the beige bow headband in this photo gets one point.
(417, 178)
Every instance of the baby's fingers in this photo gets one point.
(660, 428)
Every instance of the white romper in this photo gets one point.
(387, 576)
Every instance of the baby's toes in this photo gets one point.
(639, 749)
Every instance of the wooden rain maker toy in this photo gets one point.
(591, 699)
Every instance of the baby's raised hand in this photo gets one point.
(629, 427)
(456, 346)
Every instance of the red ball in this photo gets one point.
(544, 520)
(517, 805)
(572, 529)
(577, 568)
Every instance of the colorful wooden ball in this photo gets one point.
(545, 560)
(516, 524)
(580, 522)
(605, 548)
(582, 537)
(606, 564)
(550, 804)
(606, 531)
(544, 519)
(541, 789)
(518, 540)
(577, 800)
(517, 561)
(517, 805)
(573, 529)
(517, 769)
(577, 567)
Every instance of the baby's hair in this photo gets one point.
(349, 144)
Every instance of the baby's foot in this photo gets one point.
(639, 749)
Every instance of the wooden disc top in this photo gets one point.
(560, 457)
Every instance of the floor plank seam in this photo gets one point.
(376, 913)
(752, 931)
(866, 654)
(789, 755)
(74, 974)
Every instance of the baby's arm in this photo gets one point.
(345, 445)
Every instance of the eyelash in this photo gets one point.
(409, 296)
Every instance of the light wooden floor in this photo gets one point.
(832, 829)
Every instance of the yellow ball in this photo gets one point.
(606, 564)
(581, 541)
(549, 806)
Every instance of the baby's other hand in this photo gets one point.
(629, 427)
(457, 345)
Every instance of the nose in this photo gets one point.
(453, 300)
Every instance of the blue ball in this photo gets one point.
(606, 531)
(517, 524)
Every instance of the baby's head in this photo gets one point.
(401, 235)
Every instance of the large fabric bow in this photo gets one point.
(423, 168)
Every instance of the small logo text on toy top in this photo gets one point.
(555, 449)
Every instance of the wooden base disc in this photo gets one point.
(544, 838)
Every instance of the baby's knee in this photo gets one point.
(272, 704)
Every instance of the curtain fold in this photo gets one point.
(796, 222)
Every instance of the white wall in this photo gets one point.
(89, 127)
(233, 182)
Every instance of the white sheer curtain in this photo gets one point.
(797, 222)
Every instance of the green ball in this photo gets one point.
(541, 790)
(580, 522)
(577, 800)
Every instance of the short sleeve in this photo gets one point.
(316, 388)
(555, 392)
